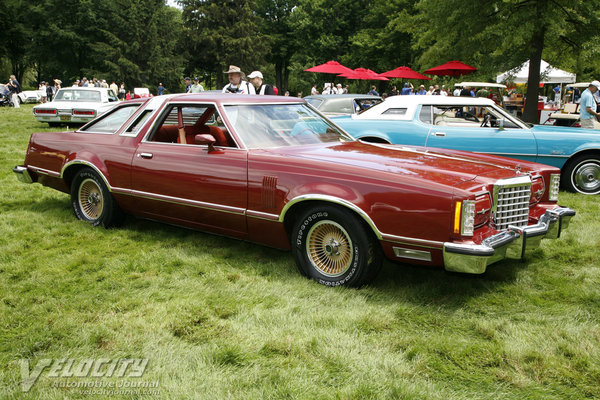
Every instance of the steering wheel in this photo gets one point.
(470, 117)
(486, 120)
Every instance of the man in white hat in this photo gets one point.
(236, 83)
(256, 78)
(587, 108)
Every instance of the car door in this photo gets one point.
(460, 127)
(191, 184)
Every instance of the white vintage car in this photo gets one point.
(75, 105)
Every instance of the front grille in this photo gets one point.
(511, 202)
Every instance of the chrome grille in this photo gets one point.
(511, 202)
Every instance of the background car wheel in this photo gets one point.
(92, 201)
(582, 174)
(332, 246)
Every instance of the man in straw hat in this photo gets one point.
(236, 82)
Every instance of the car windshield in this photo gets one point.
(78, 95)
(280, 125)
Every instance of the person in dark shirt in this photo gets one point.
(256, 79)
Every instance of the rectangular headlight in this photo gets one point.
(464, 217)
(468, 218)
(553, 187)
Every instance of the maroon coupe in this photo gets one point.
(274, 171)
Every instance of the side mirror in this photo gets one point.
(500, 123)
(206, 139)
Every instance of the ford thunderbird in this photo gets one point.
(75, 105)
(479, 125)
(272, 170)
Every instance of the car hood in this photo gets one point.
(397, 162)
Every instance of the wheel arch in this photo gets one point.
(70, 169)
(296, 206)
(375, 139)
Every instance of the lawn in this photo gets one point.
(218, 318)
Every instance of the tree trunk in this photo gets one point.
(533, 81)
(278, 75)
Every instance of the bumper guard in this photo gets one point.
(512, 243)
(22, 174)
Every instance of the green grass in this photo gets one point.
(223, 319)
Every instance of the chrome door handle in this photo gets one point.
(439, 133)
(146, 155)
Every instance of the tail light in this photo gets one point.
(84, 112)
(44, 111)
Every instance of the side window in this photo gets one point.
(112, 121)
(396, 111)
(135, 127)
(111, 96)
(181, 123)
(425, 115)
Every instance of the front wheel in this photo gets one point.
(92, 201)
(582, 174)
(332, 246)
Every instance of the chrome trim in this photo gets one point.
(412, 254)
(430, 244)
(262, 215)
(22, 174)
(514, 155)
(89, 164)
(44, 171)
(512, 243)
(330, 199)
(182, 201)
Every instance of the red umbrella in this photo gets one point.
(366, 74)
(405, 73)
(452, 68)
(330, 67)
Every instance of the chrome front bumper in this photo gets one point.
(22, 174)
(511, 243)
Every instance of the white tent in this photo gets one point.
(548, 74)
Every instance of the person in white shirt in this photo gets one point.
(314, 90)
(196, 86)
(236, 83)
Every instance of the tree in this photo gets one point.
(223, 32)
(277, 27)
(495, 35)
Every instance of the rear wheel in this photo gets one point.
(332, 246)
(582, 174)
(92, 201)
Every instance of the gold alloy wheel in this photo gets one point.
(90, 198)
(329, 248)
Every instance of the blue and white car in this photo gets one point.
(479, 125)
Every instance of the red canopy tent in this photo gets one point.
(404, 73)
(330, 67)
(363, 73)
(451, 68)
